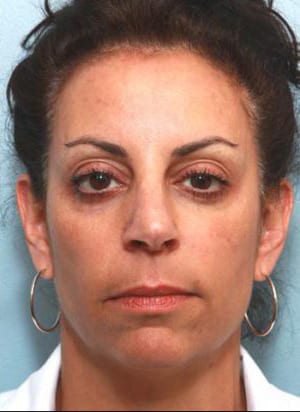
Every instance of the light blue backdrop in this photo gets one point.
(22, 348)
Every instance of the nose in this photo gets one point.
(151, 224)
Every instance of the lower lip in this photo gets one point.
(149, 304)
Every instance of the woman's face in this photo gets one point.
(172, 198)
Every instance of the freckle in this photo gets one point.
(211, 365)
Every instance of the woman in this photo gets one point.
(157, 137)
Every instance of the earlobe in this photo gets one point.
(275, 224)
(33, 218)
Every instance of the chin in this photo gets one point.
(154, 348)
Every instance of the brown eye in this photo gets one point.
(204, 183)
(95, 182)
(201, 181)
(99, 180)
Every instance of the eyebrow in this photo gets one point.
(181, 151)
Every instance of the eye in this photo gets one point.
(95, 182)
(204, 183)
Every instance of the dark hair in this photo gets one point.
(247, 39)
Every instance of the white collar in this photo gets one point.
(261, 395)
(38, 392)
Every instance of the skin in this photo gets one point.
(151, 104)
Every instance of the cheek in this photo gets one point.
(85, 251)
(226, 236)
(223, 245)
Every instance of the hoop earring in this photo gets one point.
(33, 316)
(269, 328)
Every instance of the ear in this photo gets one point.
(33, 217)
(277, 211)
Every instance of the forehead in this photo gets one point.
(159, 98)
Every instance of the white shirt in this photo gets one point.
(38, 392)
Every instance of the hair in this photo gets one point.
(246, 39)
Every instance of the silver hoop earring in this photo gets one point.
(269, 328)
(33, 316)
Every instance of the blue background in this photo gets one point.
(22, 348)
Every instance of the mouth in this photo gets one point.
(149, 291)
(151, 300)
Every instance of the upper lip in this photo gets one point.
(160, 290)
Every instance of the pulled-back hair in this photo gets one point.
(246, 39)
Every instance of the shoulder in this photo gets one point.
(260, 393)
(37, 393)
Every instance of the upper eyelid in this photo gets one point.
(95, 164)
(205, 170)
(91, 168)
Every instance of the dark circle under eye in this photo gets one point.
(201, 181)
(99, 180)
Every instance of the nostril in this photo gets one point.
(138, 242)
(170, 244)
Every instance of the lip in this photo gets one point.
(151, 300)
(159, 290)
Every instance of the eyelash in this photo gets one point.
(77, 180)
(213, 195)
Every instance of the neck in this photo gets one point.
(101, 384)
